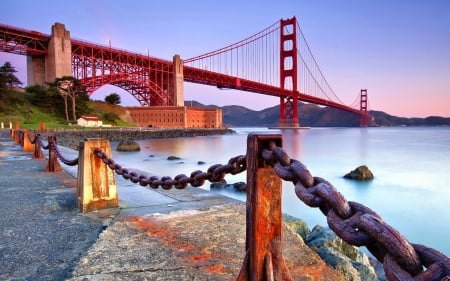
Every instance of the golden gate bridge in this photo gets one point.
(276, 61)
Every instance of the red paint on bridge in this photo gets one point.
(271, 62)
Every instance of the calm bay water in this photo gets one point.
(410, 191)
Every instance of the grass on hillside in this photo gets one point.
(14, 107)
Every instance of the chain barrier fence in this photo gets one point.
(353, 222)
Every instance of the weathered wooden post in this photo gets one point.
(96, 185)
(21, 137)
(53, 165)
(27, 145)
(264, 259)
(15, 135)
(37, 154)
(42, 127)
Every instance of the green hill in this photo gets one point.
(16, 105)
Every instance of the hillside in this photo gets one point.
(311, 115)
(19, 106)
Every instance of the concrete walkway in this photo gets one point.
(189, 234)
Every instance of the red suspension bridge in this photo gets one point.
(276, 61)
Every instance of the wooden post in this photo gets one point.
(37, 154)
(264, 259)
(15, 135)
(96, 185)
(27, 145)
(53, 165)
(21, 135)
(42, 127)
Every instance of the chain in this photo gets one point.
(359, 225)
(32, 141)
(41, 144)
(197, 178)
(54, 147)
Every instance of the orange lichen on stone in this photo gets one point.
(216, 269)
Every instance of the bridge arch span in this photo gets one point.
(147, 93)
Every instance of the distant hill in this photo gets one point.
(311, 115)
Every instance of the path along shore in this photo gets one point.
(189, 234)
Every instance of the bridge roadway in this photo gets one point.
(33, 43)
(190, 234)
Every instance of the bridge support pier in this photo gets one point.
(58, 61)
(364, 117)
(288, 113)
(178, 81)
(288, 73)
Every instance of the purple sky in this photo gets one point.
(398, 50)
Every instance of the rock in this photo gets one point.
(128, 145)
(361, 173)
(173, 158)
(297, 226)
(345, 258)
(240, 186)
(237, 186)
(339, 262)
(201, 163)
(218, 185)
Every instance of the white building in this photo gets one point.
(90, 121)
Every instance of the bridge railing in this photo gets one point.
(266, 164)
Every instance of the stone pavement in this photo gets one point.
(189, 234)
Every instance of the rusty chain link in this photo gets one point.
(359, 225)
(32, 141)
(55, 149)
(214, 173)
(41, 144)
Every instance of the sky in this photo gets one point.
(399, 50)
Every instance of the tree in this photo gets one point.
(7, 77)
(68, 86)
(113, 99)
(44, 97)
(110, 117)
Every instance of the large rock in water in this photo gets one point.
(361, 173)
(128, 145)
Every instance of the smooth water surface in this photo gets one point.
(411, 189)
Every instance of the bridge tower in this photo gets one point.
(57, 62)
(178, 81)
(288, 73)
(364, 117)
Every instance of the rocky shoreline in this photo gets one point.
(72, 138)
(352, 263)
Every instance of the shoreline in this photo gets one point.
(72, 138)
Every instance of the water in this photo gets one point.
(411, 167)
